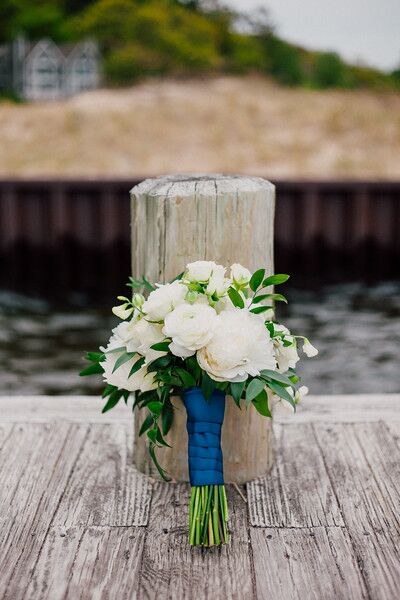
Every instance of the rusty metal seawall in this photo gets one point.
(70, 238)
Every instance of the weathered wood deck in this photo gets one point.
(78, 522)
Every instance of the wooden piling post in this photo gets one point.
(229, 219)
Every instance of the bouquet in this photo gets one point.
(203, 337)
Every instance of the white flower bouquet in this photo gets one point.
(202, 337)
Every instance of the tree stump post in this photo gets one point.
(228, 219)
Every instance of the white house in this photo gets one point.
(46, 71)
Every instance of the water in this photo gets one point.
(357, 330)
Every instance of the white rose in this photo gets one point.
(191, 326)
(218, 283)
(164, 299)
(143, 335)
(241, 346)
(309, 350)
(200, 271)
(240, 275)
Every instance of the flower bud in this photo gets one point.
(138, 300)
(191, 297)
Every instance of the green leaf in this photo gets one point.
(108, 390)
(120, 349)
(237, 391)
(161, 346)
(159, 363)
(235, 297)
(275, 279)
(207, 386)
(258, 299)
(281, 392)
(260, 309)
(160, 439)
(269, 374)
(147, 423)
(277, 297)
(167, 417)
(123, 359)
(92, 370)
(254, 388)
(138, 364)
(152, 434)
(187, 379)
(155, 407)
(163, 473)
(112, 401)
(261, 404)
(256, 279)
(95, 356)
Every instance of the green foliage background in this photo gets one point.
(156, 37)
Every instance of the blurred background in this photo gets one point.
(95, 95)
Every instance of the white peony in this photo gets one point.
(241, 346)
(309, 350)
(143, 335)
(240, 275)
(164, 299)
(200, 271)
(141, 380)
(191, 326)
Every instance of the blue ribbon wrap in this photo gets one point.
(204, 424)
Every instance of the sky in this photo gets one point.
(365, 31)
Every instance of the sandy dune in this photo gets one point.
(247, 125)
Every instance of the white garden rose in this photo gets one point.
(191, 326)
(240, 275)
(241, 346)
(218, 283)
(163, 300)
(200, 271)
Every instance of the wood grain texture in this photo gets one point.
(60, 409)
(172, 569)
(91, 563)
(179, 219)
(105, 487)
(297, 492)
(346, 408)
(35, 464)
(306, 564)
(367, 491)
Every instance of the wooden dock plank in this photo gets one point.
(88, 563)
(367, 499)
(172, 569)
(306, 564)
(35, 465)
(105, 488)
(347, 408)
(297, 492)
